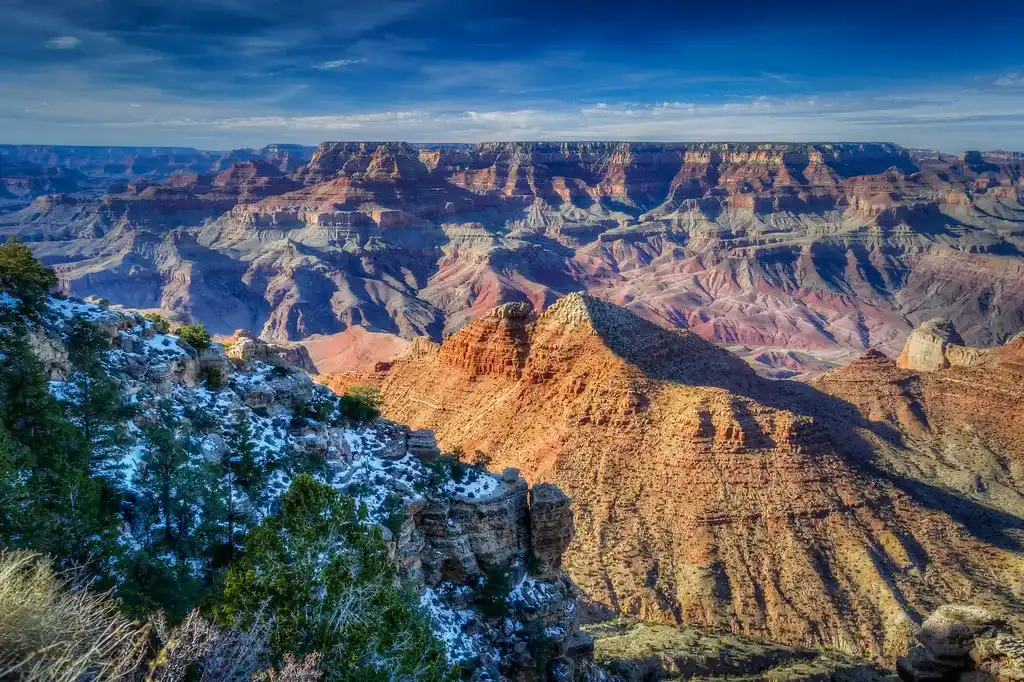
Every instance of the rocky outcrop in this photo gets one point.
(551, 527)
(707, 496)
(244, 347)
(937, 345)
(488, 539)
(961, 642)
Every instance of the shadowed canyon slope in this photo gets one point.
(820, 248)
(707, 495)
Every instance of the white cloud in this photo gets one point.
(338, 64)
(342, 122)
(952, 117)
(63, 43)
(1011, 80)
(777, 77)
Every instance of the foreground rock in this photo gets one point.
(959, 642)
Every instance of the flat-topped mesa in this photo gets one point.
(372, 160)
(935, 345)
(495, 344)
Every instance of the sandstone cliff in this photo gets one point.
(705, 495)
(814, 248)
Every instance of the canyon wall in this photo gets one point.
(822, 250)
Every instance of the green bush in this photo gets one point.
(493, 595)
(481, 460)
(458, 466)
(214, 378)
(327, 580)
(195, 335)
(393, 511)
(280, 371)
(321, 410)
(23, 277)
(354, 408)
(159, 324)
(370, 395)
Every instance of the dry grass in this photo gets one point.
(218, 655)
(52, 631)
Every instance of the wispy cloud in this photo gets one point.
(63, 43)
(243, 72)
(777, 77)
(338, 64)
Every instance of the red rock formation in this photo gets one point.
(815, 248)
(701, 493)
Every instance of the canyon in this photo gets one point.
(796, 256)
(836, 513)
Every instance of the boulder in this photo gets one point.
(423, 444)
(949, 633)
(964, 643)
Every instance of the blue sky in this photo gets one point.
(231, 73)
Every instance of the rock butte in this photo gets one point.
(831, 514)
(822, 250)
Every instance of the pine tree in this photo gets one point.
(329, 582)
(240, 474)
(65, 515)
(162, 481)
(24, 278)
(93, 403)
(15, 469)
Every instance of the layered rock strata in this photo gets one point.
(821, 249)
(705, 495)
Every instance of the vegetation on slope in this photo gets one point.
(306, 594)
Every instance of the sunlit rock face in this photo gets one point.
(825, 250)
(815, 514)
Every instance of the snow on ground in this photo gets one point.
(450, 624)
(362, 441)
(475, 485)
(61, 390)
(531, 593)
(94, 313)
(164, 345)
